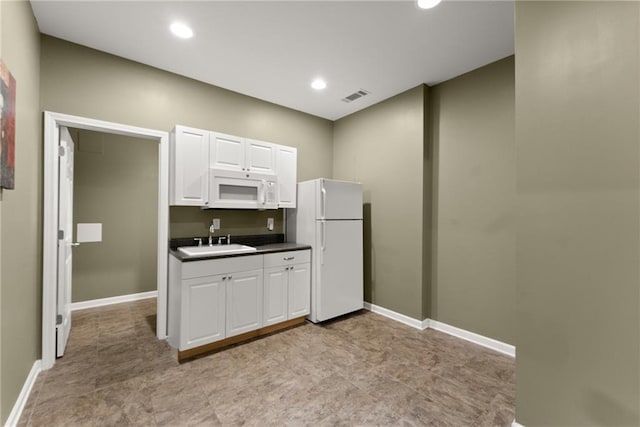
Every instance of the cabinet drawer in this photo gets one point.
(287, 258)
(212, 267)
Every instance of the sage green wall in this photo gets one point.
(428, 215)
(85, 82)
(189, 221)
(382, 147)
(21, 238)
(474, 141)
(115, 184)
(578, 231)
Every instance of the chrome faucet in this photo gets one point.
(199, 240)
(228, 239)
(212, 230)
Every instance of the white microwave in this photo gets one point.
(241, 190)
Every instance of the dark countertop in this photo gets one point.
(261, 250)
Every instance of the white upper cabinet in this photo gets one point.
(227, 152)
(286, 165)
(241, 154)
(199, 156)
(189, 166)
(260, 157)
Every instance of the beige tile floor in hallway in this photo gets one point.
(363, 370)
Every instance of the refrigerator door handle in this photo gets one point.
(324, 201)
(322, 241)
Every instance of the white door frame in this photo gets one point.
(52, 123)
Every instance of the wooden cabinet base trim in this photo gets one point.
(191, 353)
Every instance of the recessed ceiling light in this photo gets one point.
(318, 84)
(428, 4)
(181, 30)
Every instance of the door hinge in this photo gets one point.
(58, 319)
(60, 234)
(60, 150)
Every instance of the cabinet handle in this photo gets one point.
(230, 277)
(289, 258)
(224, 277)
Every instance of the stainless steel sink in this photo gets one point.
(233, 248)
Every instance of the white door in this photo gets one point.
(226, 152)
(286, 166)
(190, 166)
(299, 290)
(65, 240)
(203, 306)
(261, 157)
(339, 199)
(244, 302)
(275, 295)
(339, 280)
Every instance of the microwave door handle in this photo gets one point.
(264, 192)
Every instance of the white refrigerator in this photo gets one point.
(328, 217)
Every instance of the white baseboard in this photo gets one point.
(113, 300)
(18, 407)
(409, 321)
(481, 340)
(515, 424)
(487, 342)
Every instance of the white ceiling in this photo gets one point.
(273, 49)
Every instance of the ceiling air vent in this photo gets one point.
(355, 95)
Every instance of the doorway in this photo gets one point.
(54, 122)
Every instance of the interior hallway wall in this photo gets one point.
(115, 184)
(473, 135)
(21, 228)
(578, 228)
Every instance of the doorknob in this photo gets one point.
(74, 244)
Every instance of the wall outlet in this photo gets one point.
(270, 224)
(216, 223)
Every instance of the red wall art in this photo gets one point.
(7, 128)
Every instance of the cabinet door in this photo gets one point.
(275, 295)
(287, 169)
(189, 166)
(260, 157)
(203, 311)
(226, 152)
(244, 302)
(299, 290)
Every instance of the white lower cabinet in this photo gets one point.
(214, 299)
(244, 302)
(275, 295)
(299, 290)
(287, 286)
(204, 308)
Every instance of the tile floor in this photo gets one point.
(363, 369)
